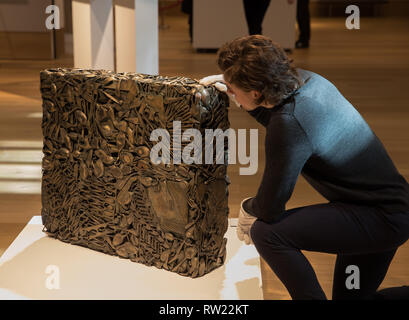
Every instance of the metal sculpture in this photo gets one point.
(101, 190)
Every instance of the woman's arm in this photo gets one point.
(287, 149)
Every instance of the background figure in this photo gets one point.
(255, 11)
(303, 20)
(187, 7)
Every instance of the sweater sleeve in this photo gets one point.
(287, 148)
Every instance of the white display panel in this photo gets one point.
(117, 35)
(147, 36)
(93, 34)
(125, 36)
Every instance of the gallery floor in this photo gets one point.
(370, 67)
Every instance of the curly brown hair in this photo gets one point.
(257, 63)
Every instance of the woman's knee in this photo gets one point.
(264, 235)
(257, 231)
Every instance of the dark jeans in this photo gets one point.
(359, 235)
(255, 11)
(303, 20)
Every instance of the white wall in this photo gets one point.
(27, 15)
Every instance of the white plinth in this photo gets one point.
(120, 35)
(88, 274)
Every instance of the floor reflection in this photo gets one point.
(20, 187)
(27, 156)
(23, 144)
(20, 166)
(35, 115)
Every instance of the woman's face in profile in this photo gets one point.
(244, 98)
(247, 99)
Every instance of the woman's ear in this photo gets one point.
(255, 94)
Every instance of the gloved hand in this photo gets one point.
(218, 81)
(244, 225)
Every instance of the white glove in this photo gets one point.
(245, 222)
(218, 81)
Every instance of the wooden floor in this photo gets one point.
(370, 67)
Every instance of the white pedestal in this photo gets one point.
(88, 274)
(117, 35)
(216, 22)
(93, 34)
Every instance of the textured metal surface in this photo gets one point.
(100, 189)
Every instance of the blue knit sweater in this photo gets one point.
(317, 133)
